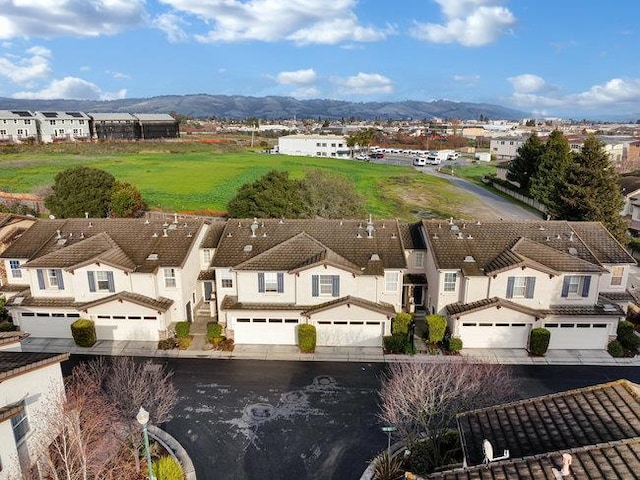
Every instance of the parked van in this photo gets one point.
(433, 158)
(419, 162)
(453, 156)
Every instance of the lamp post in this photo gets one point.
(388, 431)
(143, 419)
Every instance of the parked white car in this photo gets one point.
(419, 162)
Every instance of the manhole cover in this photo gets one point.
(260, 412)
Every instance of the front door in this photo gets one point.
(188, 309)
(418, 299)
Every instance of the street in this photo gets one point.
(245, 419)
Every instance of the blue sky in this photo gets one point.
(550, 57)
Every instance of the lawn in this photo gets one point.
(199, 178)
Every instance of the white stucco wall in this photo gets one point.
(544, 291)
(605, 279)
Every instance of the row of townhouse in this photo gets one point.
(261, 279)
(22, 125)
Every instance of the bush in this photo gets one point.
(167, 344)
(396, 343)
(539, 341)
(421, 459)
(436, 328)
(184, 342)
(8, 327)
(626, 337)
(182, 329)
(214, 330)
(385, 468)
(455, 344)
(84, 332)
(615, 349)
(401, 323)
(167, 468)
(307, 338)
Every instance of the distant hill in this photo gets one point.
(236, 107)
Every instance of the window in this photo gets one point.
(50, 279)
(419, 259)
(206, 254)
(27, 122)
(616, 275)
(102, 280)
(520, 287)
(170, 277)
(391, 281)
(270, 282)
(576, 285)
(450, 282)
(14, 265)
(20, 425)
(52, 122)
(226, 279)
(325, 285)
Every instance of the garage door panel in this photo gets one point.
(494, 335)
(265, 331)
(47, 327)
(578, 335)
(339, 333)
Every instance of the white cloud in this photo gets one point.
(365, 84)
(171, 25)
(23, 70)
(471, 23)
(49, 18)
(467, 80)
(310, 92)
(71, 88)
(299, 21)
(527, 83)
(119, 75)
(297, 77)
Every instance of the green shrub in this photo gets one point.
(615, 349)
(626, 337)
(539, 341)
(8, 327)
(385, 468)
(182, 329)
(167, 468)
(167, 344)
(455, 344)
(214, 330)
(436, 328)
(84, 332)
(307, 338)
(396, 343)
(401, 323)
(184, 342)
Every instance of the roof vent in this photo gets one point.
(229, 235)
(58, 234)
(254, 227)
(478, 223)
(573, 251)
(164, 233)
(152, 256)
(86, 214)
(341, 222)
(464, 225)
(370, 228)
(155, 235)
(358, 235)
(185, 224)
(173, 226)
(469, 237)
(247, 248)
(281, 221)
(609, 307)
(383, 226)
(264, 235)
(558, 237)
(450, 220)
(61, 242)
(459, 236)
(435, 236)
(360, 225)
(454, 228)
(541, 227)
(375, 257)
(548, 238)
(469, 259)
(175, 218)
(239, 224)
(90, 224)
(147, 222)
(81, 234)
(189, 235)
(571, 236)
(439, 225)
(393, 235)
(165, 224)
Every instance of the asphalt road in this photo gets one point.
(244, 419)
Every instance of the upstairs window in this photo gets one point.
(226, 279)
(206, 255)
(101, 281)
(616, 276)
(450, 282)
(50, 279)
(20, 425)
(576, 285)
(419, 256)
(325, 285)
(270, 282)
(391, 281)
(521, 287)
(14, 265)
(170, 278)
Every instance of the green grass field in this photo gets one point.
(200, 178)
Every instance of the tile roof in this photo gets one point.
(597, 309)
(214, 232)
(494, 302)
(496, 246)
(161, 303)
(230, 302)
(124, 242)
(384, 308)
(617, 296)
(572, 419)
(411, 234)
(414, 279)
(24, 299)
(7, 338)
(16, 363)
(207, 274)
(338, 240)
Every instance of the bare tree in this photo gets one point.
(421, 400)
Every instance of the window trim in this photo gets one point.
(616, 280)
(419, 259)
(226, 279)
(17, 423)
(325, 281)
(270, 282)
(171, 278)
(449, 286)
(387, 281)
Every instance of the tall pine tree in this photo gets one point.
(523, 168)
(552, 169)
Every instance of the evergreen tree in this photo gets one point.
(126, 201)
(552, 168)
(523, 168)
(81, 189)
(328, 195)
(590, 190)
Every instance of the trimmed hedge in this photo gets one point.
(615, 349)
(182, 329)
(626, 337)
(84, 332)
(455, 344)
(214, 330)
(436, 328)
(396, 343)
(539, 341)
(307, 338)
(401, 323)
(167, 468)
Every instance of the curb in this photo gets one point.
(175, 449)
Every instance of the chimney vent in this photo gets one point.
(164, 233)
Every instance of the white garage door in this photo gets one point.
(47, 325)
(494, 335)
(574, 335)
(265, 331)
(353, 333)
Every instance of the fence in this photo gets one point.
(522, 198)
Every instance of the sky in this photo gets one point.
(553, 58)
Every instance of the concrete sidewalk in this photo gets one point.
(326, 354)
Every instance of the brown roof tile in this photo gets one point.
(161, 303)
(15, 363)
(384, 308)
(230, 302)
(412, 236)
(214, 232)
(459, 309)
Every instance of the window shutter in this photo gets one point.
(40, 274)
(260, 282)
(586, 283)
(208, 288)
(531, 286)
(315, 285)
(565, 287)
(510, 282)
(58, 273)
(280, 282)
(335, 285)
(112, 287)
(92, 281)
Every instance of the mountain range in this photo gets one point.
(273, 107)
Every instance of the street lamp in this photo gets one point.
(143, 419)
(388, 431)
